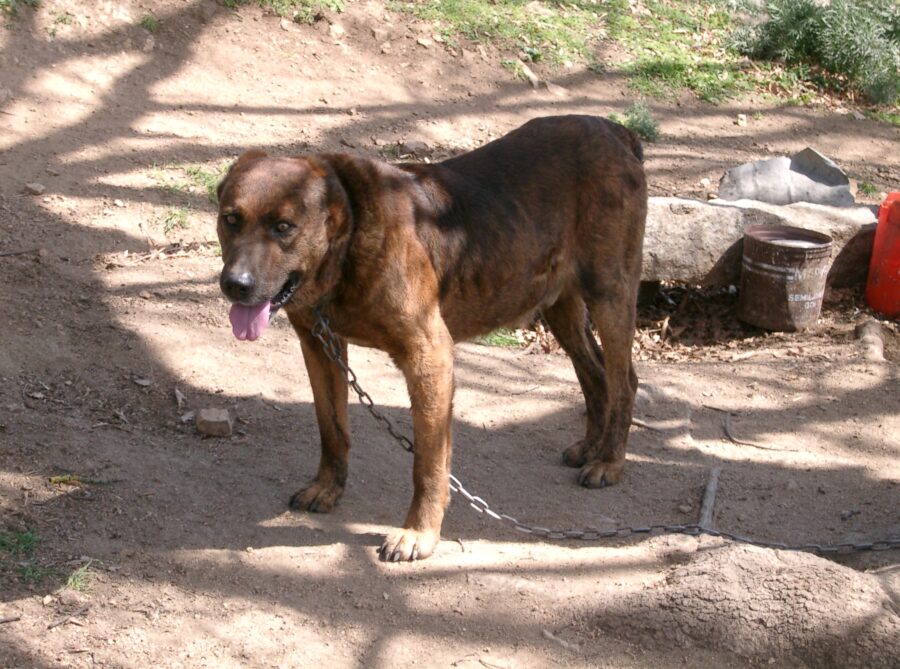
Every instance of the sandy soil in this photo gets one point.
(179, 551)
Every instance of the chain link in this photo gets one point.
(332, 345)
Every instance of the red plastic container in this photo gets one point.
(883, 285)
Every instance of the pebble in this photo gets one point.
(35, 188)
(415, 146)
(214, 422)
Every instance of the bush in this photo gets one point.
(640, 121)
(855, 39)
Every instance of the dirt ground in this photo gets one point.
(179, 551)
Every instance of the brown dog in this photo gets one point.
(410, 258)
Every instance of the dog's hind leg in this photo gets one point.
(569, 323)
(330, 393)
(613, 313)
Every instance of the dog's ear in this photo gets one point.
(243, 159)
(337, 195)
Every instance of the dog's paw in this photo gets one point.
(574, 455)
(598, 474)
(405, 545)
(317, 497)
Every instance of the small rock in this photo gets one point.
(149, 44)
(47, 600)
(386, 48)
(285, 24)
(336, 30)
(705, 182)
(381, 34)
(858, 115)
(119, 203)
(416, 147)
(72, 598)
(35, 188)
(144, 383)
(53, 172)
(214, 422)
(427, 42)
(741, 120)
(792, 485)
(685, 508)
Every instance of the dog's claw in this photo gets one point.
(408, 545)
(600, 474)
(574, 456)
(317, 497)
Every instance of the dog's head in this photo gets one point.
(282, 225)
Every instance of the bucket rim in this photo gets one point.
(771, 234)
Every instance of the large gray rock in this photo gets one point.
(702, 242)
(807, 176)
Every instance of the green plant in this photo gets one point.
(33, 573)
(639, 119)
(11, 7)
(78, 579)
(503, 337)
(516, 67)
(207, 178)
(150, 23)
(19, 543)
(866, 188)
(855, 43)
(885, 116)
(175, 218)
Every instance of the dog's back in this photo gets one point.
(525, 209)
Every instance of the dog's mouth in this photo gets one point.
(287, 291)
(248, 322)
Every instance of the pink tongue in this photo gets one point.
(249, 322)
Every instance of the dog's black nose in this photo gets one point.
(237, 286)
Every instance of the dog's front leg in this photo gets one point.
(330, 395)
(428, 368)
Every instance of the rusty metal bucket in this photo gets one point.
(783, 277)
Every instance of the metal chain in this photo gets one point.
(332, 346)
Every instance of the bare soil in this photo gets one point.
(179, 551)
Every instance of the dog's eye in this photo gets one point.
(283, 227)
(231, 221)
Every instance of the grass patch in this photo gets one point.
(502, 337)
(19, 544)
(866, 188)
(678, 45)
(21, 547)
(177, 217)
(639, 119)
(187, 179)
(11, 8)
(885, 116)
(150, 23)
(549, 30)
(78, 579)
